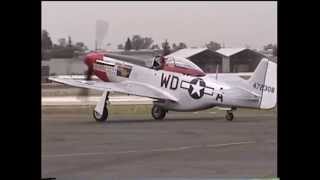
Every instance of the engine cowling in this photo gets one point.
(89, 60)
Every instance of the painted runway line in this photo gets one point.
(169, 149)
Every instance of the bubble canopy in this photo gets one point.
(182, 62)
(182, 65)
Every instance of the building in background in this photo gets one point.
(239, 59)
(227, 60)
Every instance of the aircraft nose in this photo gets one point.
(91, 58)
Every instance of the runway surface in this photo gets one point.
(185, 145)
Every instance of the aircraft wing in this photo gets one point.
(127, 87)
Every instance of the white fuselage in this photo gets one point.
(193, 93)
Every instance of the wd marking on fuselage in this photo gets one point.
(174, 81)
(196, 87)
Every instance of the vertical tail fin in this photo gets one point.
(264, 82)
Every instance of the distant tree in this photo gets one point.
(137, 42)
(268, 47)
(166, 48)
(69, 42)
(147, 41)
(213, 46)
(80, 44)
(62, 42)
(178, 47)
(65, 48)
(46, 42)
(128, 45)
(120, 46)
(271, 48)
(155, 46)
(182, 45)
(174, 47)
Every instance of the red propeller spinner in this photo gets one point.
(89, 60)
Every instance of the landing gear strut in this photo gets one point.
(158, 113)
(100, 113)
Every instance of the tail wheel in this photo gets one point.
(158, 113)
(101, 117)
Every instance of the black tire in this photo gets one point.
(229, 116)
(101, 118)
(158, 113)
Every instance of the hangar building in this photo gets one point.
(239, 59)
(228, 60)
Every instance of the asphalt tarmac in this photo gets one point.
(201, 145)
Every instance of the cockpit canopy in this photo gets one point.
(182, 65)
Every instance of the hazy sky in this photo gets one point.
(235, 24)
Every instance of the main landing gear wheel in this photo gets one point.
(158, 113)
(101, 117)
(229, 116)
(104, 116)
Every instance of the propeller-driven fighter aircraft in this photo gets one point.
(175, 84)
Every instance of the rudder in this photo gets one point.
(264, 82)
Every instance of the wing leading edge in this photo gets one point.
(127, 87)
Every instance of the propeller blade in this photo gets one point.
(101, 32)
